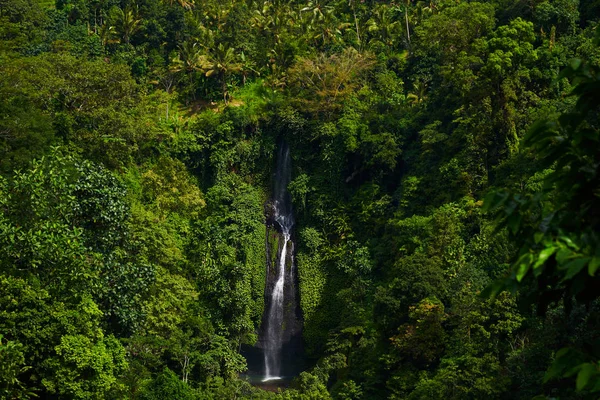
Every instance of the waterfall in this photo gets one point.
(281, 323)
(275, 321)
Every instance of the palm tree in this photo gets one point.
(189, 60)
(262, 19)
(214, 14)
(247, 67)
(125, 23)
(187, 4)
(317, 10)
(196, 22)
(106, 33)
(221, 62)
(356, 24)
(271, 19)
(266, 21)
(405, 8)
(429, 6)
(383, 26)
(322, 21)
(419, 93)
(425, 8)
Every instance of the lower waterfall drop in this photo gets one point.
(275, 320)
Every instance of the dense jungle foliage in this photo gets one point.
(446, 183)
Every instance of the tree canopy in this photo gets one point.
(445, 184)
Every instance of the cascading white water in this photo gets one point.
(283, 290)
(274, 344)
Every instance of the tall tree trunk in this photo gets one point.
(407, 27)
(356, 25)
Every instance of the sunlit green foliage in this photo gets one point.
(137, 144)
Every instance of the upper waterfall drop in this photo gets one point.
(282, 200)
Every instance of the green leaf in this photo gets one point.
(522, 271)
(596, 387)
(493, 200)
(569, 242)
(593, 266)
(524, 265)
(575, 266)
(542, 258)
(562, 361)
(496, 288)
(538, 236)
(585, 373)
(563, 255)
(514, 222)
(540, 130)
(575, 63)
